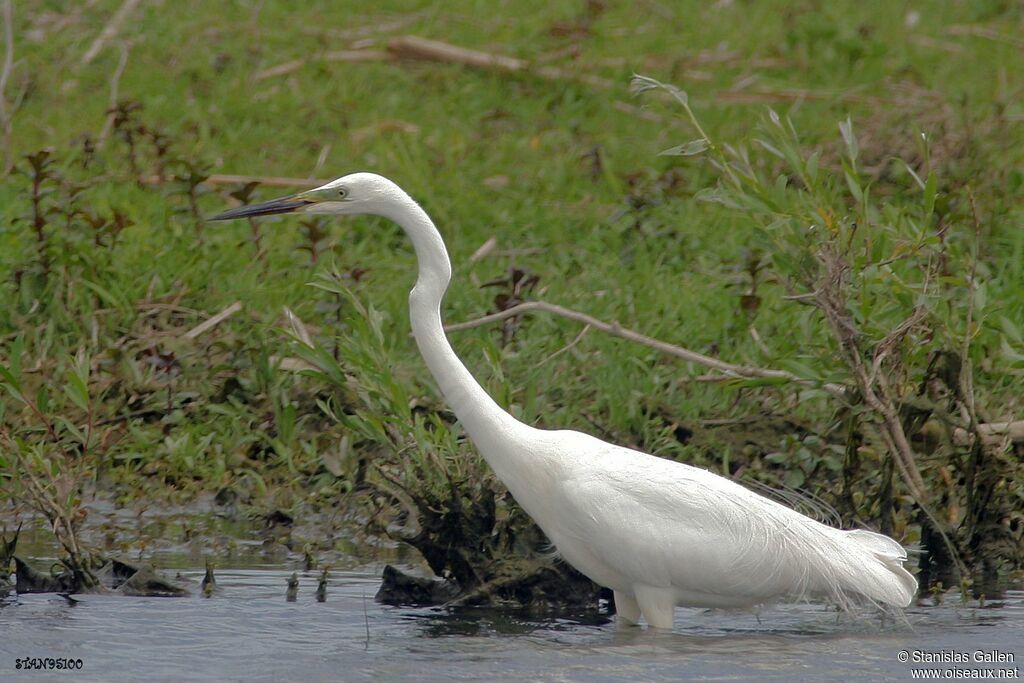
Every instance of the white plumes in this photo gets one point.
(633, 521)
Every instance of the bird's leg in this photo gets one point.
(657, 604)
(627, 608)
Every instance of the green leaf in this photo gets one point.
(917, 178)
(799, 368)
(795, 479)
(772, 149)
(70, 427)
(1011, 330)
(1009, 353)
(77, 390)
(846, 130)
(376, 319)
(14, 361)
(980, 297)
(107, 296)
(690, 149)
(11, 384)
(717, 195)
(930, 191)
(811, 167)
(752, 382)
(43, 399)
(854, 184)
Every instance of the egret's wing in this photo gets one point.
(664, 523)
(674, 524)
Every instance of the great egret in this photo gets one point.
(657, 532)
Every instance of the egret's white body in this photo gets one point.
(657, 532)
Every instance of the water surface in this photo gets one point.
(247, 631)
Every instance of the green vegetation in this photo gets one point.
(865, 231)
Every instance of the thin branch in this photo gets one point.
(213, 321)
(115, 86)
(788, 95)
(984, 32)
(424, 49)
(967, 368)
(336, 56)
(756, 336)
(992, 433)
(270, 181)
(109, 31)
(729, 369)
(830, 300)
(415, 47)
(567, 347)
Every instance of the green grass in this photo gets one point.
(488, 155)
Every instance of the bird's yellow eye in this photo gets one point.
(342, 192)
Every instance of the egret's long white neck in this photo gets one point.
(484, 420)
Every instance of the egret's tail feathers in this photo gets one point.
(882, 546)
(885, 579)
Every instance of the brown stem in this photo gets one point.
(39, 221)
(728, 369)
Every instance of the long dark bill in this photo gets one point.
(283, 205)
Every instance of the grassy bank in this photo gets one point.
(108, 269)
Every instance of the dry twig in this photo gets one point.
(730, 370)
(336, 56)
(424, 49)
(115, 84)
(270, 181)
(213, 321)
(567, 347)
(110, 30)
(984, 32)
(414, 47)
(992, 433)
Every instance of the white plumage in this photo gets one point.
(657, 532)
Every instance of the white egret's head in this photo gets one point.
(358, 193)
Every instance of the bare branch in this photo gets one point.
(110, 30)
(787, 95)
(270, 181)
(992, 433)
(984, 32)
(967, 372)
(829, 298)
(213, 321)
(115, 84)
(414, 47)
(337, 56)
(729, 369)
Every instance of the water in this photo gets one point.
(247, 631)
